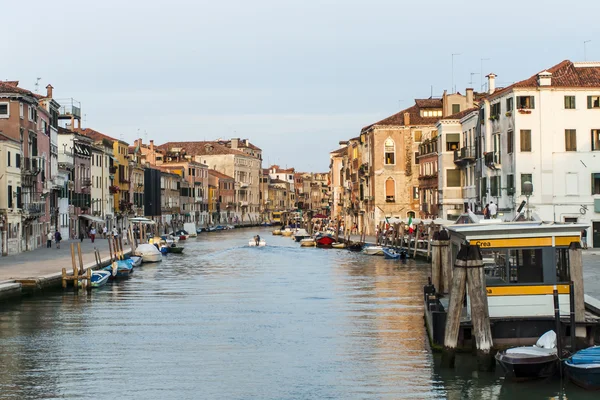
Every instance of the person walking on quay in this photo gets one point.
(493, 209)
(81, 235)
(93, 234)
(49, 237)
(57, 238)
(104, 231)
(584, 238)
(486, 212)
(115, 232)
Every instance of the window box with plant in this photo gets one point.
(508, 114)
(114, 189)
(524, 111)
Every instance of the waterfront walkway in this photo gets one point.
(44, 261)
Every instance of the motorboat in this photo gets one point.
(182, 234)
(149, 253)
(135, 261)
(308, 242)
(261, 243)
(325, 240)
(338, 245)
(394, 254)
(230, 226)
(583, 368)
(300, 234)
(531, 362)
(99, 278)
(355, 246)
(373, 250)
(120, 268)
(277, 232)
(287, 232)
(174, 249)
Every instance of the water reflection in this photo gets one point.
(226, 321)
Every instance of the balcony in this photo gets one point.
(492, 160)
(464, 155)
(29, 166)
(243, 185)
(425, 207)
(244, 203)
(86, 182)
(34, 209)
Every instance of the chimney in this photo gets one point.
(469, 97)
(246, 141)
(152, 145)
(491, 83)
(545, 78)
(406, 119)
(234, 143)
(49, 91)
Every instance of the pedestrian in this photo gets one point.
(104, 231)
(57, 238)
(93, 234)
(486, 212)
(584, 238)
(493, 209)
(115, 232)
(49, 241)
(81, 235)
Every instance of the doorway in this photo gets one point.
(596, 234)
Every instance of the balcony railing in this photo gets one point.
(35, 208)
(464, 155)
(30, 166)
(492, 160)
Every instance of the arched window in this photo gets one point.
(389, 152)
(390, 190)
(410, 214)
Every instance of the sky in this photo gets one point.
(293, 77)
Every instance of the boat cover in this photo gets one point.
(591, 355)
(531, 351)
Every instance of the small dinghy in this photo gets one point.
(175, 249)
(120, 268)
(338, 245)
(394, 254)
(252, 243)
(136, 261)
(308, 242)
(324, 240)
(99, 278)
(149, 253)
(583, 368)
(355, 246)
(373, 250)
(531, 362)
(287, 232)
(277, 232)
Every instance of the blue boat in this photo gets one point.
(124, 268)
(394, 254)
(99, 278)
(583, 368)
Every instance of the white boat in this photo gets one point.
(252, 243)
(149, 253)
(373, 250)
(287, 232)
(136, 261)
(300, 234)
(308, 242)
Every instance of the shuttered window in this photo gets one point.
(525, 140)
(570, 140)
(390, 190)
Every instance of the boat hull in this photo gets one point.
(175, 250)
(252, 243)
(373, 251)
(151, 258)
(339, 245)
(586, 376)
(99, 278)
(521, 367)
(307, 243)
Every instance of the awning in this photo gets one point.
(91, 218)
(141, 220)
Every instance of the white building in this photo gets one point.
(546, 130)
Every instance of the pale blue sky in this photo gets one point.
(294, 77)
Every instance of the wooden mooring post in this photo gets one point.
(468, 271)
(78, 271)
(441, 263)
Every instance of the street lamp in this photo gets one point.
(527, 191)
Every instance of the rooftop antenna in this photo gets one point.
(471, 81)
(584, 49)
(84, 118)
(37, 84)
(431, 94)
(453, 54)
(481, 72)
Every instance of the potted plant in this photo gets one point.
(524, 111)
(508, 114)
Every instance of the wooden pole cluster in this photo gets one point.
(468, 272)
(576, 270)
(441, 262)
(78, 271)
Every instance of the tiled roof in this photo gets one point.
(94, 135)
(462, 113)
(202, 148)
(278, 181)
(12, 87)
(339, 151)
(429, 103)
(241, 144)
(219, 174)
(565, 74)
(398, 119)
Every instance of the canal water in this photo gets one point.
(226, 321)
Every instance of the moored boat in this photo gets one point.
(531, 362)
(277, 232)
(308, 242)
(149, 253)
(301, 234)
(394, 254)
(136, 261)
(583, 368)
(99, 278)
(373, 250)
(324, 240)
(175, 249)
(338, 245)
(355, 246)
(287, 232)
(120, 268)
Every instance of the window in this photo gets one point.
(452, 141)
(525, 178)
(418, 136)
(570, 140)
(595, 139)
(596, 183)
(495, 112)
(569, 102)
(416, 157)
(4, 112)
(415, 193)
(389, 152)
(455, 108)
(509, 104)
(10, 196)
(21, 113)
(525, 266)
(495, 185)
(453, 178)
(483, 188)
(525, 140)
(593, 101)
(510, 139)
(431, 113)
(8, 158)
(390, 190)
(510, 184)
(525, 102)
